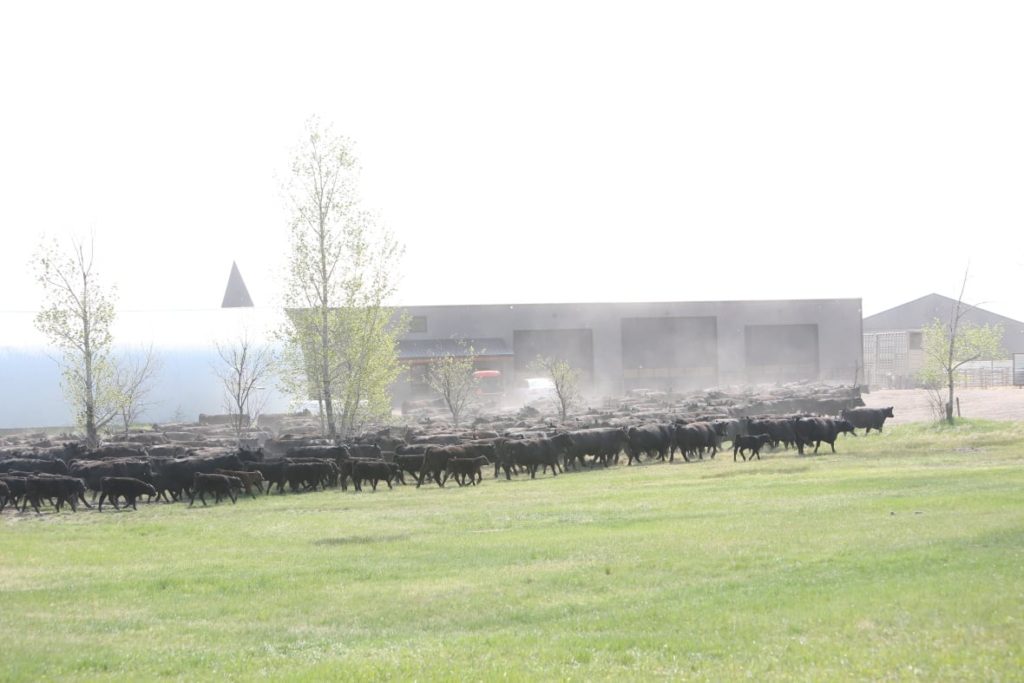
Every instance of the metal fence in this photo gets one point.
(886, 360)
(982, 374)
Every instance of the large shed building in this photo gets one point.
(657, 345)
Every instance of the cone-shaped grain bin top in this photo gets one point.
(236, 295)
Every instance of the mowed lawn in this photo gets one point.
(900, 558)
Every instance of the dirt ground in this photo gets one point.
(911, 405)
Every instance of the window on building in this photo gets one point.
(914, 341)
(418, 323)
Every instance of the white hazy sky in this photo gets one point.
(528, 152)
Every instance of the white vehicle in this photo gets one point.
(535, 388)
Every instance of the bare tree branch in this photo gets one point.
(565, 379)
(135, 375)
(451, 376)
(243, 369)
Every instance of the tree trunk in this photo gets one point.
(949, 403)
(332, 429)
(325, 370)
(91, 433)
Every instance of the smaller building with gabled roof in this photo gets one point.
(894, 340)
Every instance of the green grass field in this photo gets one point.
(900, 558)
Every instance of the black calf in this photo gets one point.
(112, 488)
(752, 443)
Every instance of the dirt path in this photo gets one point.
(911, 405)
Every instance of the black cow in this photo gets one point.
(780, 429)
(366, 451)
(248, 479)
(654, 440)
(92, 472)
(15, 488)
(309, 473)
(602, 443)
(335, 453)
(753, 443)
(372, 471)
(167, 451)
(409, 463)
(503, 459)
(727, 429)
(463, 468)
(435, 460)
(74, 450)
(867, 418)
(217, 484)
(532, 453)
(817, 429)
(177, 475)
(695, 438)
(5, 494)
(113, 488)
(439, 439)
(115, 451)
(250, 456)
(62, 488)
(274, 473)
(33, 465)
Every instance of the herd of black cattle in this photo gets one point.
(61, 475)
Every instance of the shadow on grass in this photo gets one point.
(356, 540)
(751, 470)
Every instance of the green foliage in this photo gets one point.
(972, 342)
(947, 347)
(566, 380)
(886, 561)
(77, 316)
(452, 377)
(341, 341)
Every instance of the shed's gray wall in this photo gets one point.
(840, 349)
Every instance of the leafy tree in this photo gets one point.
(76, 317)
(566, 380)
(340, 339)
(949, 345)
(451, 376)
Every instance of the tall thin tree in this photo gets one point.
(340, 338)
(950, 345)
(76, 317)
